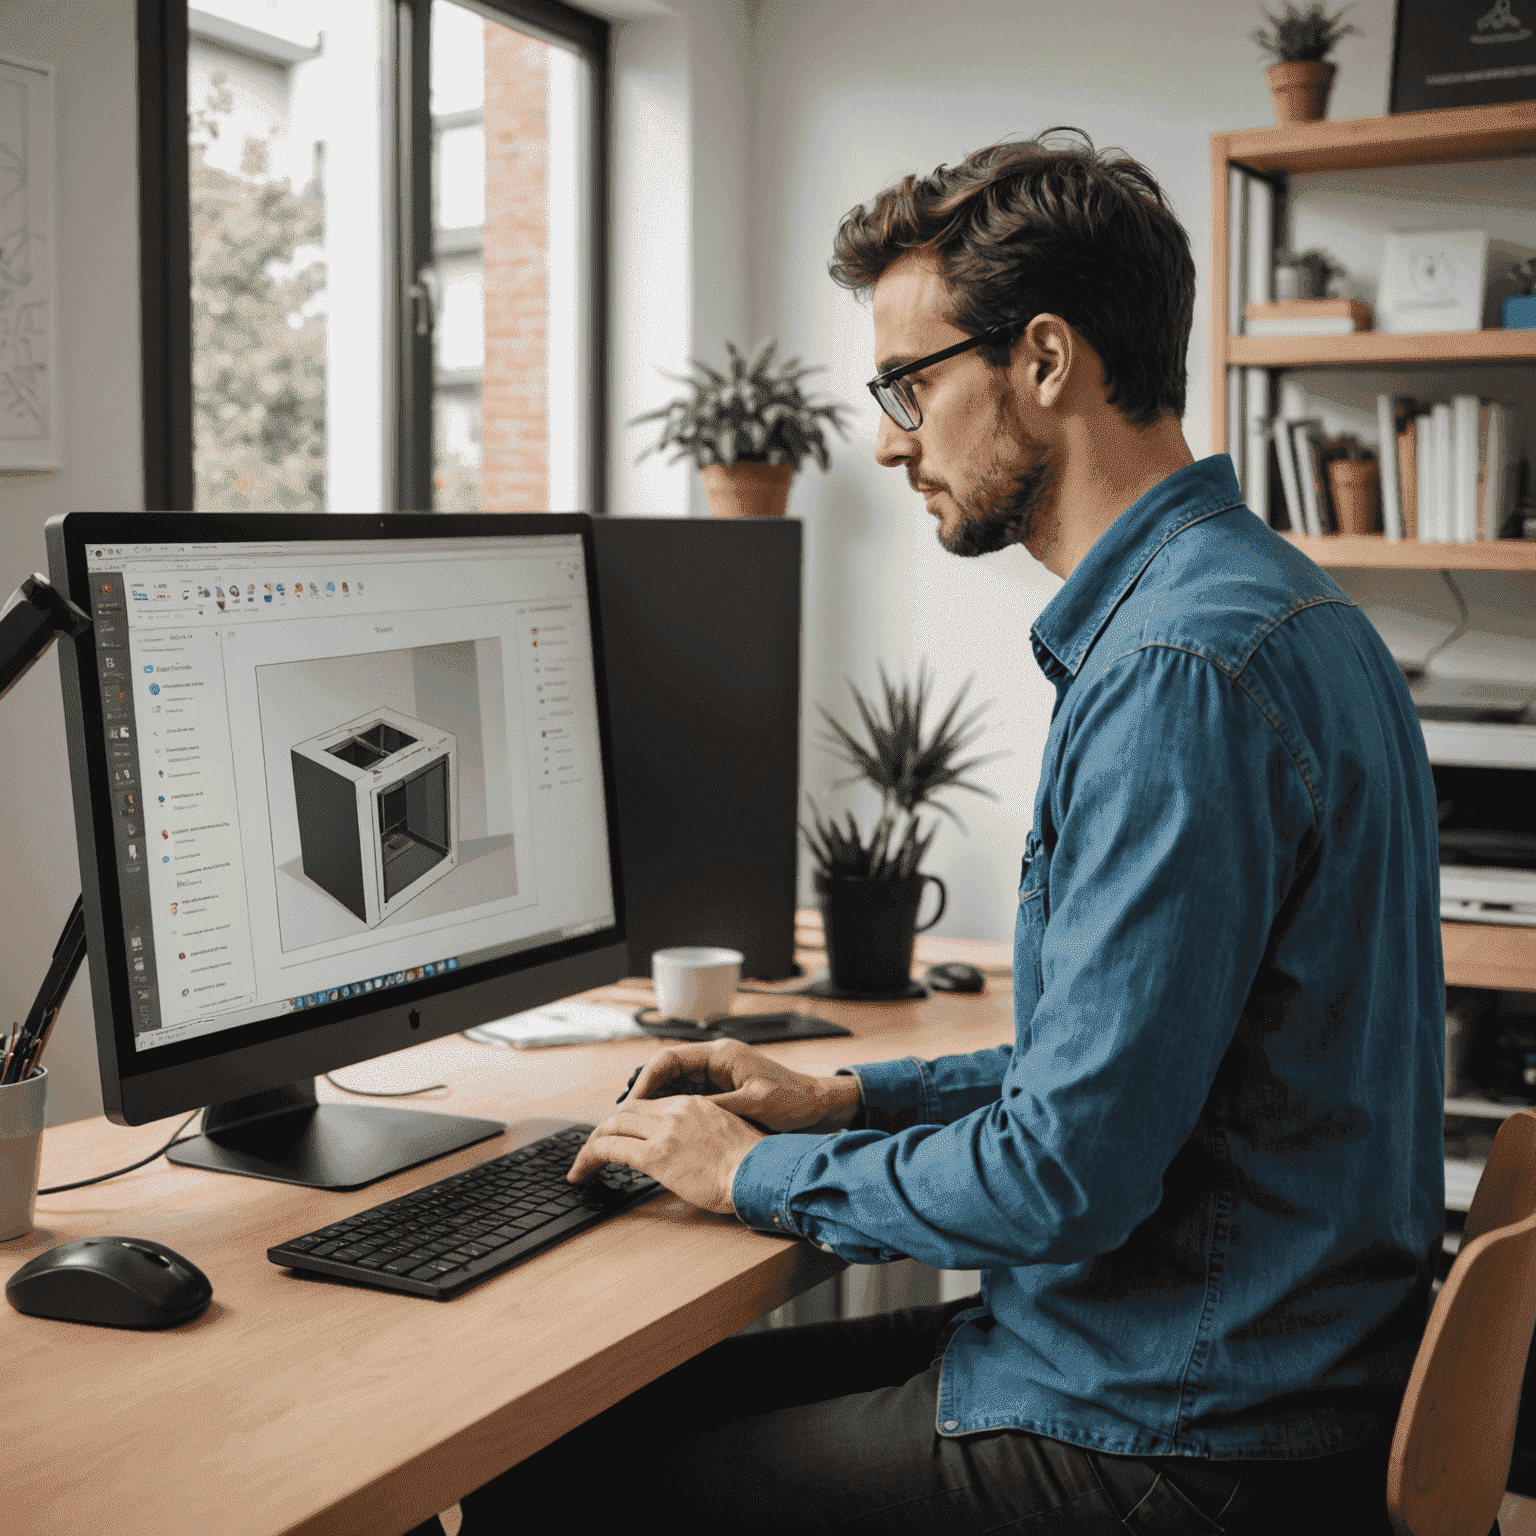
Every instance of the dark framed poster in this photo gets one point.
(1462, 53)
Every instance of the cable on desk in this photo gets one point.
(58, 1189)
(384, 1093)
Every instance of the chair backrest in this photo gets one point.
(1456, 1428)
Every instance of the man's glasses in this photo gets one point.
(896, 396)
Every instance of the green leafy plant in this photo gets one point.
(908, 767)
(1307, 36)
(756, 414)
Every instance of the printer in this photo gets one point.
(1481, 739)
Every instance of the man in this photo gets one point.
(1204, 1182)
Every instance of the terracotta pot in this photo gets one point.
(1353, 483)
(1300, 90)
(748, 490)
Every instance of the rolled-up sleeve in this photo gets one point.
(1176, 817)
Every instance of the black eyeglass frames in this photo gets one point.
(894, 394)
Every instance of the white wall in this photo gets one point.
(849, 96)
(680, 222)
(91, 43)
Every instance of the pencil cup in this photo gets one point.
(22, 1108)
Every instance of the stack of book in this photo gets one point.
(1458, 469)
(1454, 477)
(1307, 317)
(1304, 452)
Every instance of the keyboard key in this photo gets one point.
(530, 1221)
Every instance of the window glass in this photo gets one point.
(510, 207)
(287, 186)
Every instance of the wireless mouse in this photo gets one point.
(954, 976)
(117, 1282)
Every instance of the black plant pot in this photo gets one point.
(869, 927)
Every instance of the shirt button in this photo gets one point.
(951, 1424)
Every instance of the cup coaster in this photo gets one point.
(749, 1028)
(821, 985)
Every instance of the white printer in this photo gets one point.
(1482, 749)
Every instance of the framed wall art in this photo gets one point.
(1462, 53)
(30, 436)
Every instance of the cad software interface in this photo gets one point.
(340, 767)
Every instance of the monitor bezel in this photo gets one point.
(138, 1087)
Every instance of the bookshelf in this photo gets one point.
(1476, 954)
(1411, 138)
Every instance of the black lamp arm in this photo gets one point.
(36, 614)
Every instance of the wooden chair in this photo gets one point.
(1456, 1428)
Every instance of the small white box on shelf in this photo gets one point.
(1433, 280)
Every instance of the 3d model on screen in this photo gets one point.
(377, 802)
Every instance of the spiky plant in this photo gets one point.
(758, 414)
(1307, 36)
(909, 768)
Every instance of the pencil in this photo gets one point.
(34, 1055)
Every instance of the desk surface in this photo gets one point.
(312, 1406)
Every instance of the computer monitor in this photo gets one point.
(342, 784)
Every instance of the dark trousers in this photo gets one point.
(831, 1427)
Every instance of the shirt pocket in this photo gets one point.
(1029, 929)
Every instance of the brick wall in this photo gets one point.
(513, 400)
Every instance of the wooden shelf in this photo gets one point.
(1489, 955)
(1362, 143)
(1376, 349)
(1373, 551)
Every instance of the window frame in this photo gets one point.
(165, 230)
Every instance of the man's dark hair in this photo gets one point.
(1028, 227)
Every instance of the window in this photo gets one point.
(391, 294)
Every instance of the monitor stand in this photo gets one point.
(287, 1135)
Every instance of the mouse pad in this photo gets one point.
(749, 1028)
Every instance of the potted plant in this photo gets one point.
(1300, 80)
(869, 888)
(747, 431)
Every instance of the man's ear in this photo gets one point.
(1043, 359)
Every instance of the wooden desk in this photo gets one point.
(311, 1406)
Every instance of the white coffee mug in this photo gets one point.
(695, 983)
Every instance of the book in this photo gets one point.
(1444, 480)
(1290, 485)
(1464, 472)
(1424, 476)
(1256, 457)
(1387, 455)
(1307, 476)
(1499, 466)
(1307, 317)
(1408, 477)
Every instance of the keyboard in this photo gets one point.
(442, 1239)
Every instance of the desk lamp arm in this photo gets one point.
(35, 615)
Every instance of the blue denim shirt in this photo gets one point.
(1205, 1180)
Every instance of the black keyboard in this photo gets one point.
(444, 1238)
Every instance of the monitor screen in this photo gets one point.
(329, 764)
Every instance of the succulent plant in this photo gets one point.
(908, 768)
(1307, 36)
(758, 414)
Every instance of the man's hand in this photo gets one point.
(690, 1145)
(749, 1083)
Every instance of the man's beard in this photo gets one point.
(1006, 507)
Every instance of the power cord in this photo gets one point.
(1462, 627)
(177, 1138)
(381, 1093)
(58, 1189)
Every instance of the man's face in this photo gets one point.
(980, 472)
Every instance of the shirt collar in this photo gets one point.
(1069, 624)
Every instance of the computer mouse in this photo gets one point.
(954, 976)
(118, 1282)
